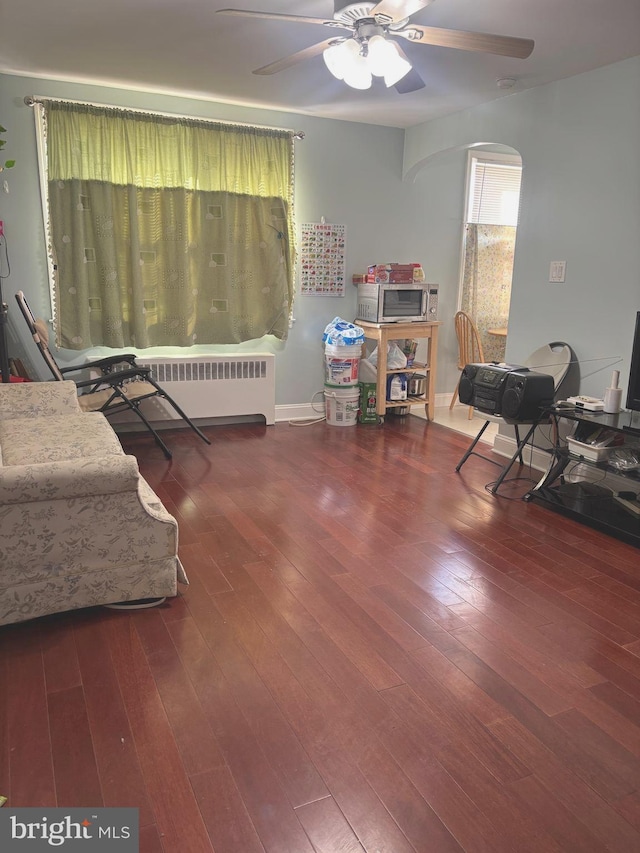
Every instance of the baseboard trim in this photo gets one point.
(300, 412)
(291, 412)
(505, 445)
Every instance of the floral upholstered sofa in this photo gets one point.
(79, 526)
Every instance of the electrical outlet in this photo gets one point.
(557, 270)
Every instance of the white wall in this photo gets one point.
(349, 173)
(580, 144)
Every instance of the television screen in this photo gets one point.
(633, 390)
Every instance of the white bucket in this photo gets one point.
(341, 364)
(341, 405)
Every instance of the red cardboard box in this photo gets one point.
(393, 273)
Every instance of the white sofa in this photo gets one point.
(79, 526)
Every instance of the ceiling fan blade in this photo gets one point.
(301, 19)
(411, 81)
(294, 58)
(398, 10)
(483, 42)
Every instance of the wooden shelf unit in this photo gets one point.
(382, 333)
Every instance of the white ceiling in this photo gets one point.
(183, 47)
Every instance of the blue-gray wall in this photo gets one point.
(579, 140)
(346, 172)
(400, 194)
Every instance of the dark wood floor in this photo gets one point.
(374, 653)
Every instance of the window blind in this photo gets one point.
(495, 193)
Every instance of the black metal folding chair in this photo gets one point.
(555, 359)
(120, 383)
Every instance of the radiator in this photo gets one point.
(214, 386)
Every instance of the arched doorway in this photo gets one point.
(492, 202)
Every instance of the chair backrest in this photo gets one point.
(40, 335)
(469, 345)
(554, 359)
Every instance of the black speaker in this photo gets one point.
(525, 393)
(482, 385)
(466, 386)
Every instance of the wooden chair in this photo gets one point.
(469, 349)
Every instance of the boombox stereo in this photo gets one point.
(514, 392)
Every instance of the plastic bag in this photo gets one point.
(396, 359)
(367, 372)
(341, 333)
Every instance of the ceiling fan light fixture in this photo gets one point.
(359, 81)
(334, 61)
(380, 54)
(346, 62)
(357, 75)
(397, 68)
(385, 60)
(355, 62)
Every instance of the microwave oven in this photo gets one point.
(397, 303)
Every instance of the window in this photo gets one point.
(494, 196)
(167, 231)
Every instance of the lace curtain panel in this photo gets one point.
(486, 287)
(167, 231)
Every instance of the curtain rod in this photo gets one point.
(32, 100)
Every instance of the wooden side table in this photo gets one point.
(382, 333)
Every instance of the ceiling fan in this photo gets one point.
(368, 51)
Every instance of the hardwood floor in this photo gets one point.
(374, 654)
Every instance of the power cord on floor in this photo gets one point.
(311, 421)
(489, 486)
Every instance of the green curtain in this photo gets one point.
(167, 231)
(486, 284)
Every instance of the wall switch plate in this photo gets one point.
(557, 270)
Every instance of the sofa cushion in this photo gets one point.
(37, 399)
(56, 438)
